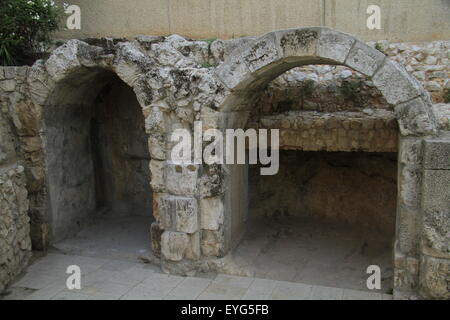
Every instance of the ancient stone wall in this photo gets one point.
(177, 81)
(353, 188)
(15, 244)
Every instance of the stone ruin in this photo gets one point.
(65, 153)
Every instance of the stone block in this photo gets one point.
(181, 179)
(156, 147)
(437, 154)
(298, 43)
(7, 85)
(364, 59)
(436, 210)
(174, 245)
(155, 238)
(210, 118)
(40, 83)
(261, 53)
(409, 185)
(193, 251)
(405, 272)
(435, 278)
(415, 118)
(234, 73)
(211, 210)
(154, 123)
(396, 84)
(406, 229)
(410, 150)
(211, 243)
(334, 45)
(63, 60)
(179, 214)
(130, 62)
(157, 171)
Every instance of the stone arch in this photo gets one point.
(75, 73)
(257, 63)
(252, 66)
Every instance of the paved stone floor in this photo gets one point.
(108, 254)
(111, 279)
(303, 251)
(314, 252)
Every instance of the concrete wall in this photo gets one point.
(402, 20)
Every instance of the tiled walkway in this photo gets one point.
(117, 279)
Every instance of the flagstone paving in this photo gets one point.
(108, 279)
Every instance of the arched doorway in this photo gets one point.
(96, 159)
(330, 211)
(253, 66)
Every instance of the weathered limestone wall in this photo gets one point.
(15, 243)
(23, 117)
(200, 210)
(358, 189)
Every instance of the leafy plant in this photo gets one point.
(25, 29)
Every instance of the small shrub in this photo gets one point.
(25, 29)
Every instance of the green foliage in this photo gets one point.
(209, 41)
(206, 65)
(447, 96)
(25, 29)
(379, 47)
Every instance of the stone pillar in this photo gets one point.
(435, 231)
(178, 217)
(406, 252)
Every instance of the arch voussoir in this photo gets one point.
(364, 59)
(265, 58)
